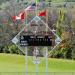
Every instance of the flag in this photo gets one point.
(42, 13)
(22, 16)
(19, 17)
(34, 4)
(14, 18)
(31, 7)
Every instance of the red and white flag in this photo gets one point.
(19, 17)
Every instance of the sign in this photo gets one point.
(30, 40)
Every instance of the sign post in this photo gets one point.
(46, 61)
(36, 59)
(26, 58)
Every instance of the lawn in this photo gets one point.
(16, 63)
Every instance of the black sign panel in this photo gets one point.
(27, 40)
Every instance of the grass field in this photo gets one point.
(16, 63)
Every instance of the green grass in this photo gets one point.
(16, 63)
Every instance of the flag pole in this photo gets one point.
(46, 47)
(36, 47)
(26, 51)
(46, 19)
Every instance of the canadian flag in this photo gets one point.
(43, 13)
(19, 17)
